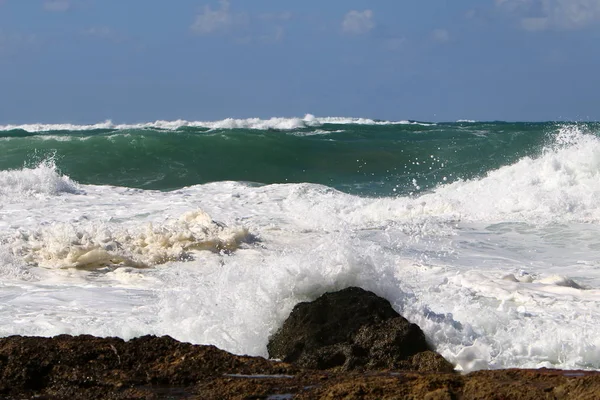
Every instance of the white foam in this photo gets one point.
(561, 185)
(445, 275)
(42, 180)
(486, 322)
(94, 245)
(228, 123)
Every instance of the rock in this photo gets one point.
(353, 329)
(66, 366)
(86, 367)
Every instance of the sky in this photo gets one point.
(87, 61)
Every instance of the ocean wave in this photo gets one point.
(44, 179)
(562, 184)
(275, 123)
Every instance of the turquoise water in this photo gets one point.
(373, 160)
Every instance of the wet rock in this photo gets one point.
(65, 365)
(86, 367)
(353, 329)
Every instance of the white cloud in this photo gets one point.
(358, 22)
(537, 15)
(210, 21)
(57, 5)
(241, 27)
(440, 35)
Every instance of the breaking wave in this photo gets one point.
(228, 123)
(44, 179)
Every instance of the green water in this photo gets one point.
(377, 160)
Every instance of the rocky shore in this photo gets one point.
(345, 345)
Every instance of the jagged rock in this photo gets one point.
(353, 329)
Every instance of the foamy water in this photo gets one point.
(500, 271)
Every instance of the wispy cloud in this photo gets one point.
(57, 5)
(241, 27)
(470, 14)
(394, 43)
(358, 22)
(538, 15)
(273, 36)
(440, 35)
(216, 20)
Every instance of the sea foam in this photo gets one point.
(97, 245)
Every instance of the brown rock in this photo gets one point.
(85, 367)
(353, 329)
(66, 365)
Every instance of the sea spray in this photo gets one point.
(484, 234)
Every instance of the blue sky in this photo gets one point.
(85, 61)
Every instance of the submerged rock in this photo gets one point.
(353, 329)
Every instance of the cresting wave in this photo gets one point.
(561, 184)
(228, 123)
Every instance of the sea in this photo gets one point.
(485, 234)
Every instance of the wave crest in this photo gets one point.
(276, 123)
(562, 184)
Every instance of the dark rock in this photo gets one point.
(353, 329)
(86, 367)
(65, 365)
